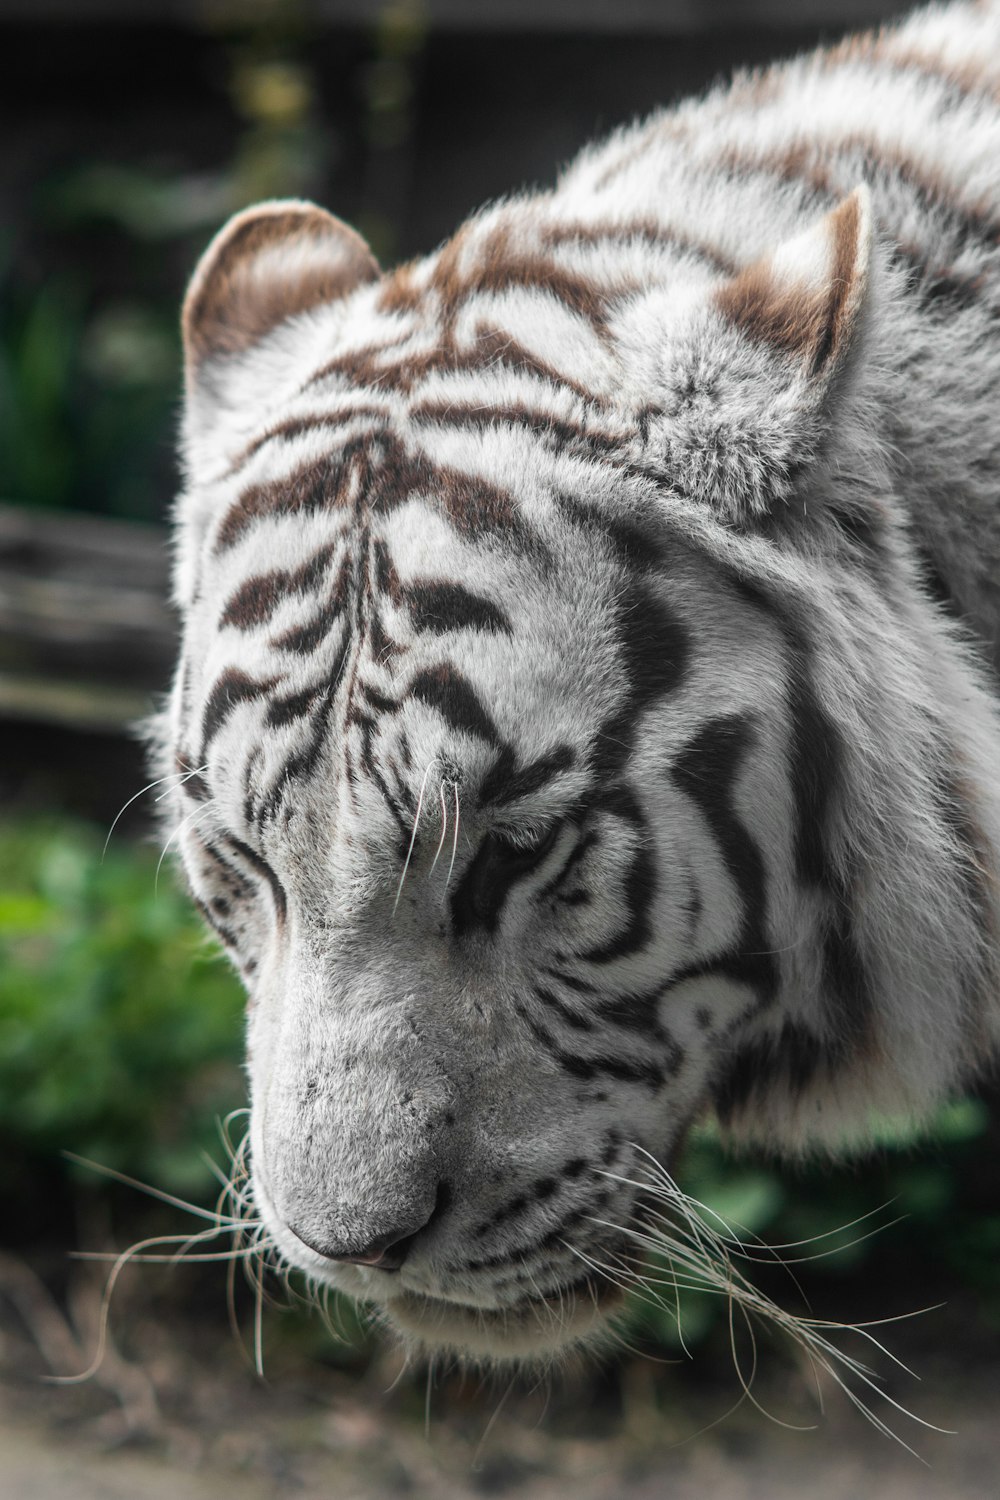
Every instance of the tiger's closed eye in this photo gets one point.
(500, 861)
(528, 848)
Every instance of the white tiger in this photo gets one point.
(572, 735)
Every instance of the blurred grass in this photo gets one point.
(121, 1039)
(120, 1028)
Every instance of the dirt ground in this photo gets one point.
(180, 1414)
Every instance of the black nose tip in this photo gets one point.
(385, 1252)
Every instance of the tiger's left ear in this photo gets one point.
(753, 383)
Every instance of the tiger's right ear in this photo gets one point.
(269, 263)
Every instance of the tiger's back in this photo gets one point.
(567, 740)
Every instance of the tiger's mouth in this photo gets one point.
(532, 1328)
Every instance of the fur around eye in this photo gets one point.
(531, 844)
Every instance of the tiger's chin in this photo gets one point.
(538, 1329)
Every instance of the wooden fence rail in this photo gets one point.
(87, 636)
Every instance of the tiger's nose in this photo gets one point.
(386, 1252)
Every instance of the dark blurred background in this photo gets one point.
(129, 132)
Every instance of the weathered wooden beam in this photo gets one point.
(86, 633)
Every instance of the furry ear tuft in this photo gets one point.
(805, 299)
(753, 383)
(269, 263)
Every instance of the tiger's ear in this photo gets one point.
(754, 384)
(804, 300)
(270, 263)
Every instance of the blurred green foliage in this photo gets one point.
(120, 1028)
(87, 395)
(91, 281)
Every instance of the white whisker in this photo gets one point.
(413, 835)
(252, 1246)
(182, 776)
(454, 839)
(143, 1187)
(179, 777)
(444, 830)
(686, 1246)
(202, 811)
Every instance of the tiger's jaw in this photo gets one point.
(538, 1328)
(474, 1325)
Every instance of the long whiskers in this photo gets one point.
(203, 811)
(686, 1246)
(176, 777)
(444, 830)
(233, 1218)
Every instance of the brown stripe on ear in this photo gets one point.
(788, 318)
(849, 226)
(268, 264)
(804, 299)
(400, 293)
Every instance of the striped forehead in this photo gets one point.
(373, 596)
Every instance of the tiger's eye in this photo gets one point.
(498, 864)
(525, 852)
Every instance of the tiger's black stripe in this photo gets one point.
(655, 653)
(646, 1071)
(707, 771)
(449, 693)
(486, 882)
(302, 762)
(792, 1059)
(560, 433)
(224, 933)
(439, 605)
(234, 880)
(505, 783)
(257, 598)
(817, 774)
(540, 1191)
(232, 688)
(640, 883)
(292, 706)
(576, 1020)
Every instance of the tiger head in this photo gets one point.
(525, 684)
